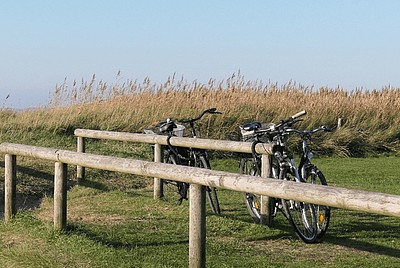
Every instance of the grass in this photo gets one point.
(113, 220)
(377, 174)
(120, 225)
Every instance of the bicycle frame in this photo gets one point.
(308, 220)
(299, 171)
(194, 157)
(306, 154)
(306, 157)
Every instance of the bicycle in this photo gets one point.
(310, 221)
(185, 156)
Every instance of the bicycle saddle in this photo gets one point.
(167, 127)
(251, 126)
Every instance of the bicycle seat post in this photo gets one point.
(194, 135)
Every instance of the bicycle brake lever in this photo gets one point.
(327, 129)
(331, 129)
(213, 111)
(184, 120)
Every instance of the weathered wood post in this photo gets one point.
(339, 122)
(10, 164)
(197, 226)
(158, 183)
(265, 217)
(60, 196)
(80, 171)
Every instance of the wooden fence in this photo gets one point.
(159, 140)
(384, 204)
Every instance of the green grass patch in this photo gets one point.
(377, 174)
(123, 226)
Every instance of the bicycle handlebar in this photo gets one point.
(168, 124)
(284, 127)
(208, 111)
(306, 132)
(290, 120)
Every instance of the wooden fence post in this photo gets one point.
(265, 212)
(197, 226)
(10, 164)
(158, 183)
(80, 171)
(339, 122)
(60, 196)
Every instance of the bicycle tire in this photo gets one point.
(181, 188)
(253, 201)
(300, 215)
(323, 213)
(211, 191)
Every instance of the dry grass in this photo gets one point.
(371, 122)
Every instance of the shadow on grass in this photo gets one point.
(234, 214)
(359, 231)
(26, 201)
(93, 184)
(32, 172)
(98, 238)
(359, 227)
(365, 246)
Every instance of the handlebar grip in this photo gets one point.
(298, 114)
(327, 129)
(213, 111)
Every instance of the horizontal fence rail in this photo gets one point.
(379, 203)
(159, 140)
(221, 145)
(371, 202)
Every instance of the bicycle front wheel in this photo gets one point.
(211, 191)
(323, 213)
(177, 190)
(301, 216)
(253, 201)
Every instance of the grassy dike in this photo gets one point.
(370, 122)
(113, 220)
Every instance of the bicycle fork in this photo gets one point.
(287, 165)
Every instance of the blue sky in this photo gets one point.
(352, 44)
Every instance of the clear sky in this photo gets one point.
(350, 43)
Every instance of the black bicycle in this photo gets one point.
(310, 221)
(185, 156)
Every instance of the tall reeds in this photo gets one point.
(371, 120)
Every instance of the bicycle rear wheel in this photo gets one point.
(301, 216)
(211, 191)
(323, 213)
